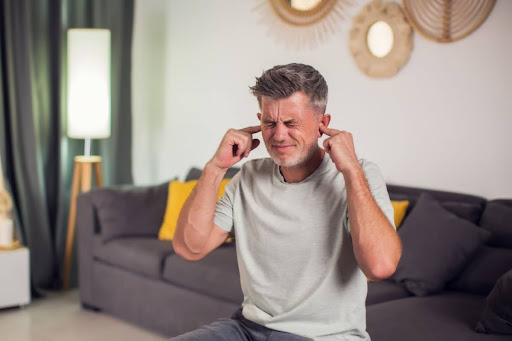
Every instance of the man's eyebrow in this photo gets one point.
(286, 120)
(289, 120)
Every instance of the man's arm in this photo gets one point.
(196, 234)
(376, 244)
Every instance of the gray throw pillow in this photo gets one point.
(130, 211)
(436, 246)
(497, 315)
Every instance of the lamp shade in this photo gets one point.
(88, 60)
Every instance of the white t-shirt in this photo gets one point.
(297, 267)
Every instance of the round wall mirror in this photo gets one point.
(304, 5)
(380, 39)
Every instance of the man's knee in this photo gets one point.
(224, 329)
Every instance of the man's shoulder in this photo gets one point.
(368, 166)
(365, 163)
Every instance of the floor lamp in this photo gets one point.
(88, 114)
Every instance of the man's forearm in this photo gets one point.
(376, 244)
(195, 222)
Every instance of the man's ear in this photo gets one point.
(259, 116)
(326, 119)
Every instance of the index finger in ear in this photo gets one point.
(252, 130)
(328, 131)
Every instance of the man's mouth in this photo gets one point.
(282, 148)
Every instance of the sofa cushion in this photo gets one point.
(385, 290)
(480, 275)
(133, 211)
(447, 316)
(497, 218)
(497, 314)
(436, 246)
(178, 194)
(215, 275)
(465, 206)
(142, 255)
(399, 209)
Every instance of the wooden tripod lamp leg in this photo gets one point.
(82, 175)
(71, 223)
(98, 174)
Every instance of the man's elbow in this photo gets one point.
(383, 270)
(381, 273)
(181, 250)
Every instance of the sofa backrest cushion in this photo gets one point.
(497, 218)
(484, 269)
(465, 206)
(436, 246)
(129, 211)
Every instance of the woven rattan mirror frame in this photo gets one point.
(389, 65)
(445, 21)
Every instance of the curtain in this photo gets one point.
(37, 157)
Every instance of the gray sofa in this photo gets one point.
(125, 271)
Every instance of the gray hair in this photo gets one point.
(283, 80)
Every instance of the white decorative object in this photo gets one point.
(6, 233)
(88, 85)
(14, 278)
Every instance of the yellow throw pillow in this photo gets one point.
(176, 197)
(399, 207)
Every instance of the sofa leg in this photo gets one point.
(90, 307)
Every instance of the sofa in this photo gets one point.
(125, 271)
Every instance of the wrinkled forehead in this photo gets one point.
(296, 106)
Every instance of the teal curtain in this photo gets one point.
(37, 157)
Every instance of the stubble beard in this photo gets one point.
(302, 157)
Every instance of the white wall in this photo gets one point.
(443, 122)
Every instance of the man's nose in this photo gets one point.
(281, 132)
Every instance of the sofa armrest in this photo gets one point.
(113, 212)
(87, 228)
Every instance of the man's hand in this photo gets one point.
(340, 146)
(235, 145)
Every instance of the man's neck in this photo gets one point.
(301, 172)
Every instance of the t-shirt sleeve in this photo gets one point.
(223, 216)
(378, 189)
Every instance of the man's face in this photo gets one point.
(290, 129)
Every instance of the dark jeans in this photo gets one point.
(237, 328)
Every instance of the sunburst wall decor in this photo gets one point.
(301, 25)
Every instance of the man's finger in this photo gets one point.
(252, 130)
(255, 144)
(327, 145)
(328, 131)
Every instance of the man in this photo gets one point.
(311, 224)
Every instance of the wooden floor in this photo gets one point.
(59, 317)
